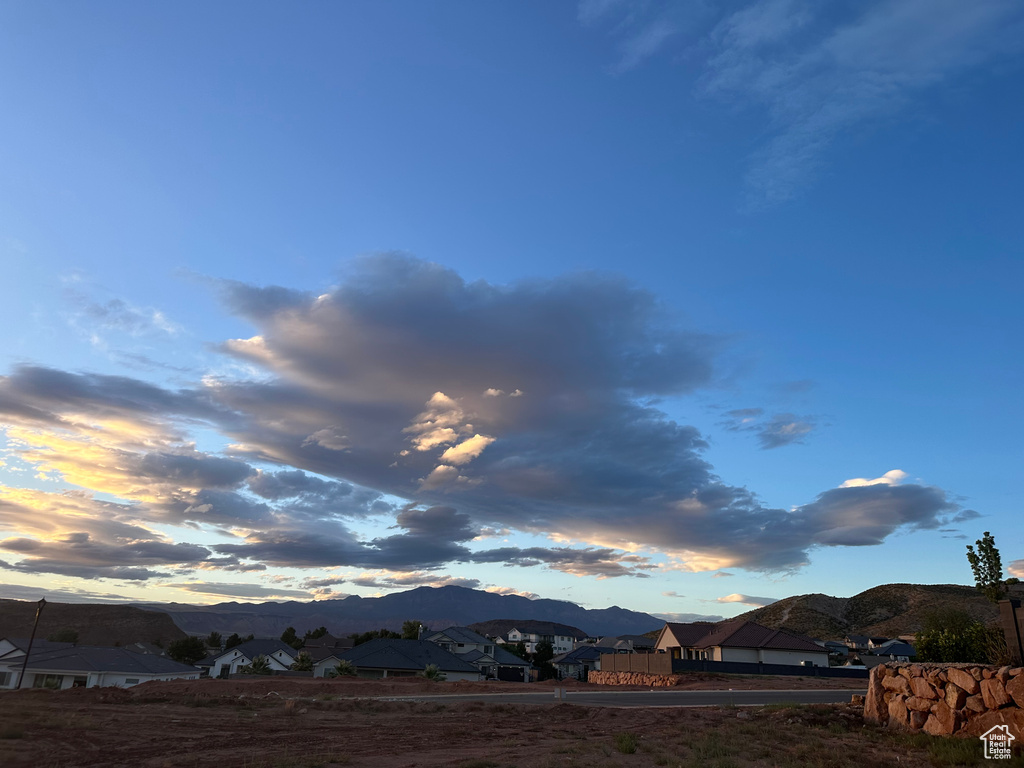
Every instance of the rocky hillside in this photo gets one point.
(889, 610)
(95, 624)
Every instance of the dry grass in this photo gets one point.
(60, 731)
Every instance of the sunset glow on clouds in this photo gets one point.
(687, 288)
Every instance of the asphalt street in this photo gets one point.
(658, 698)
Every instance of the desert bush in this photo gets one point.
(433, 672)
(626, 742)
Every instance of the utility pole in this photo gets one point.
(32, 638)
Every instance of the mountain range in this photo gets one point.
(888, 610)
(436, 607)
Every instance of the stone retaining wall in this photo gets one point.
(635, 678)
(942, 699)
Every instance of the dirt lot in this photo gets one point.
(280, 723)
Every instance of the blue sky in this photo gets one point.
(681, 307)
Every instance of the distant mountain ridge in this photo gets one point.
(888, 610)
(436, 607)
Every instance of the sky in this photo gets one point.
(682, 307)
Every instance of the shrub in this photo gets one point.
(260, 666)
(626, 742)
(344, 668)
(433, 672)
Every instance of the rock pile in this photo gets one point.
(943, 699)
(634, 678)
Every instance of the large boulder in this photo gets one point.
(921, 687)
(956, 696)
(897, 684)
(994, 693)
(1015, 688)
(943, 721)
(964, 679)
(980, 724)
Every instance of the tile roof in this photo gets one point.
(84, 658)
(739, 633)
(385, 653)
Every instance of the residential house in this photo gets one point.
(88, 666)
(385, 657)
(561, 636)
(579, 663)
(326, 646)
(485, 654)
(278, 653)
(739, 640)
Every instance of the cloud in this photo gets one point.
(892, 477)
(59, 594)
(513, 591)
(722, 575)
(397, 354)
(672, 594)
(1016, 568)
(238, 589)
(687, 618)
(467, 450)
(603, 563)
(407, 580)
(779, 430)
(812, 72)
(757, 602)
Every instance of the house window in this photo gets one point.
(5, 679)
(131, 681)
(48, 681)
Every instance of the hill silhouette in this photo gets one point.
(95, 624)
(888, 610)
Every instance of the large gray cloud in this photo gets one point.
(527, 406)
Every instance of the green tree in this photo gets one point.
(303, 662)
(433, 672)
(188, 650)
(517, 649)
(411, 629)
(232, 641)
(65, 635)
(542, 655)
(988, 567)
(365, 637)
(289, 636)
(951, 635)
(314, 634)
(344, 668)
(260, 666)
(213, 641)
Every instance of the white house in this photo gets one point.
(561, 636)
(278, 653)
(88, 666)
(485, 654)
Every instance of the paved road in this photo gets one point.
(667, 698)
